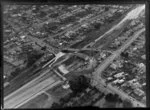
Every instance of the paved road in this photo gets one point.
(42, 43)
(105, 64)
(32, 88)
(133, 14)
(19, 99)
(54, 50)
(73, 49)
(35, 86)
(81, 23)
(15, 99)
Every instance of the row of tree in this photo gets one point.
(77, 85)
(114, 98)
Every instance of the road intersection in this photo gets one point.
(45, 81)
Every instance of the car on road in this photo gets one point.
(66, 85)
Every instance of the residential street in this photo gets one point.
(105, 64)
(131, 15)
(97, 48)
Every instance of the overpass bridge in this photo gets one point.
(42, 44)
(77, 50)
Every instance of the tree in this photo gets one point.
(125, 54)
(43, 48)
(55, 105)
(110, 20)
(15, 72)
(84, 81)
(42, 14)
(109, 97)
(33, 57)
(112, 97)
(127, 103)
(112, 100)
(79, 84)
(29, 54)
(97, 26)
(106, 8)
(54, 15)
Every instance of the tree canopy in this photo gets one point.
(79, 83)
(30, 55)
(112, 97)
(127, 103)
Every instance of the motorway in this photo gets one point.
(32, 88)
(35, 87)
(45, 80)
(27, 93)
(105, 64)
(29, 74)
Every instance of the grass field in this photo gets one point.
(58, 92)
(105, 41)
(37, 102)
(97, 33)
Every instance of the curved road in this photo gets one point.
(14, 100)
(105, 64)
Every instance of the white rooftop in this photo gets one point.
(63, 69)
(22, 37)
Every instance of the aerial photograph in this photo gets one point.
(74, 55)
